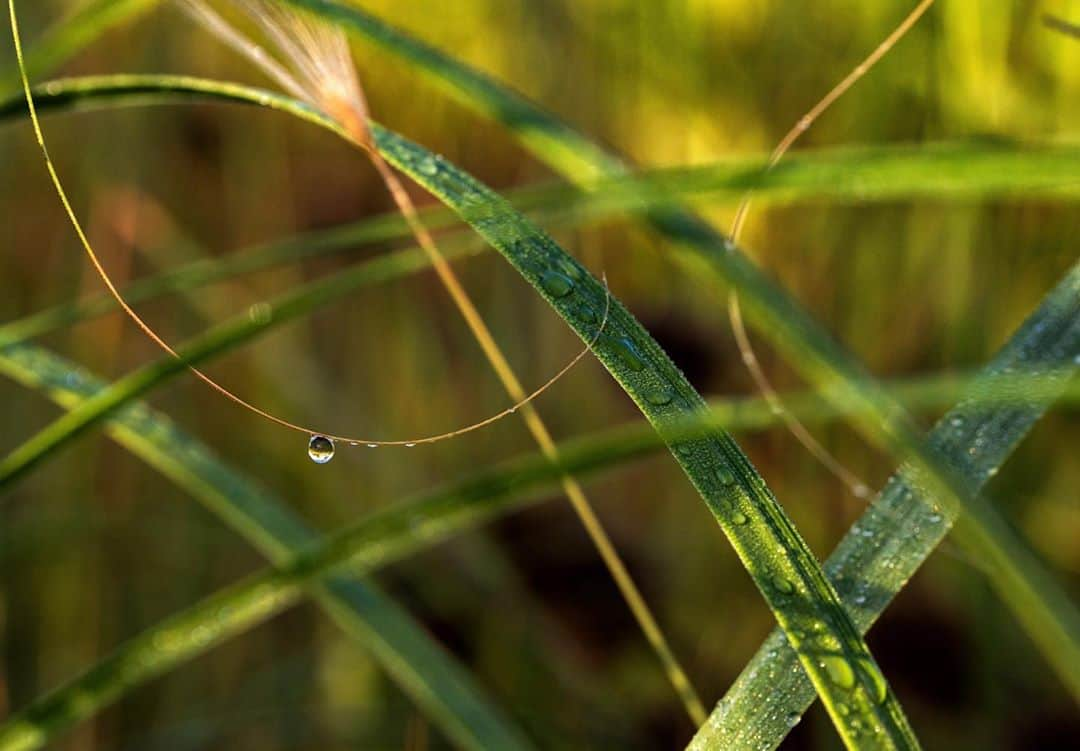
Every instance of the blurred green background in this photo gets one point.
(95, 546)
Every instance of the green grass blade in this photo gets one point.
(563, 147)
(1036, 598)
(858, 698)
(441, 687)
(376, 541)
(953, 170)
(221, 338)
(760, 709)
(874, 560)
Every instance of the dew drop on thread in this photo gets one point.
(321, 449)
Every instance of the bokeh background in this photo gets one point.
(95, 545)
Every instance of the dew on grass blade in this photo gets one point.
(320, 449)
(556, 284)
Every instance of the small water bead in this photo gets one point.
(782, 585)
(428, 166)
(738, 518)
(874, 682)
(585, 313)
(410, 445)
(628, 353)
(659, 396)
(793, 719)
(261, 313)
(725, 476)
(373, 445)
(320, 449)
(555, 284)
(570, 268)
(839, 671)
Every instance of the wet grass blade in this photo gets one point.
(944, 170)
(433, 679)
(379, 540)
(857, 696)
(876, 558)
(758, 712)
(1037, 600)
(221, 338)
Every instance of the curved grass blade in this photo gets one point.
(1035, 597)
(574, 155)
(434, 680)
(221, 338)
(757, 714)
(873, 562)
(952, 170)
(376, 541)
(857, 696)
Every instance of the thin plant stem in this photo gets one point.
(857, 487)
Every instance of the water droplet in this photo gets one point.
(373, 445)
(839, 671)
(428, 166)
(782, 585)
(957, 422)
(261, 313)
(725, 476)
(874, 682)
(585, 313)
(556, 284)
(320, 449)
(843, 709)
(410, 445)
(659, 396)
(629, 354)
(793, 719)
(934, 518)
(860, 599)
(739, 518)
(570, 268)
(861, 491)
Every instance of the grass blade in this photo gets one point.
(764, 699)
(857, 696)
(1037, 600)
(438, 684)
(873, 561)
(943, 170)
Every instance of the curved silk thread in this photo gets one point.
(209, 381)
